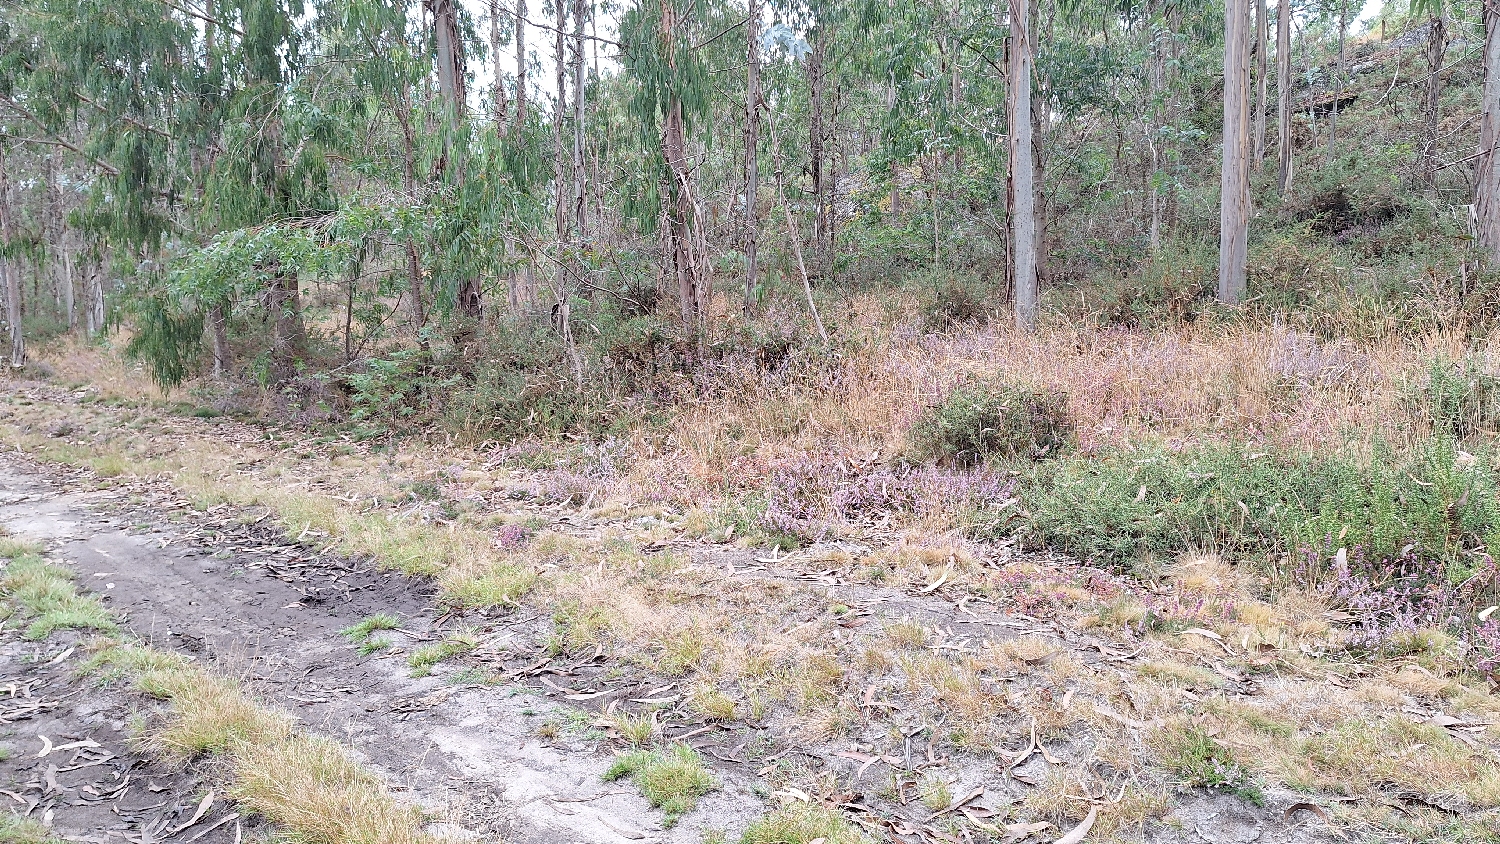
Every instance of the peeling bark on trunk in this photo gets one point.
(218, 332)
(680, 206)
(1234, 204)
(289, 337)
(450, 53)
(95, 313)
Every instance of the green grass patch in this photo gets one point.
(1200, 762)
(424, 658)
(801, 823)
(364, 628)
(44, 593)
(18, 830)
(671, 780)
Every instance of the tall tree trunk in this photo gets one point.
(1022, 167)
(1487, 181)
(580, 172)
(520, 65)
(1437, 47)
(561, 163)
(1338, 83)
(53, 237)
(10, 270)
(816, 82)
(405, 118)
(502, 104)
(450, 54)
(453, 88)
(95, 314)
(289, 336)
(752, 149)
(1234, 202)
(1262, 46)
(218, 332)
(1284, 97)
(680, 206)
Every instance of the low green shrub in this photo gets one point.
(979, 421)
(1458, 397)
(1124, 507)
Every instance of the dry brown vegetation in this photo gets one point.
(1199, 676)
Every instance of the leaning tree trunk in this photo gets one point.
(1487, 181)
(1284, 97)
(1262, 45)
(11, 273)
(752, 148)
(1022, 167)
(1234, 202)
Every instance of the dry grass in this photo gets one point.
(1259, 383)
(309, 785)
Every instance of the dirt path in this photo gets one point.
(470, 754)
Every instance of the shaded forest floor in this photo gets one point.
(916, 690)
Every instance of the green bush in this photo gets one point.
(977, 422)
(1124, 507)
(1458, 397)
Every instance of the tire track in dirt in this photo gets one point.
(467, 754)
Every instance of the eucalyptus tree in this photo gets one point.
(753, 103)
(1023, 192)
(10, 272)
(672, 92)
(1234, 198)
(1487, 169)
(1284, 97)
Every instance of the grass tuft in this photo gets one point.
(310, 785)
(801, 823)
(362, 630)
(1200, 762)
(18, 830)
(45, 593)
(424, 658)
(671, 780)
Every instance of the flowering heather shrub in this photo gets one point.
(1392, 601)
(512, 537)
(808, 499)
